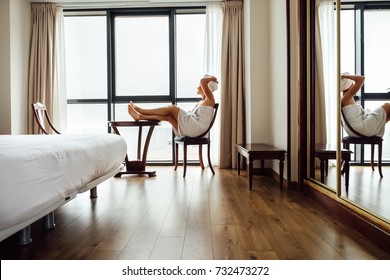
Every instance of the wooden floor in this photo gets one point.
(197, 217)
(366, 188)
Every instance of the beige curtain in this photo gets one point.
(232, 83)
(41, 77)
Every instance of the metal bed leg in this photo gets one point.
(24, 236)
(48, 221)
(93, 193)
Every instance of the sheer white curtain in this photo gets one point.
(59, 97)
(327, 41)
(212, 65)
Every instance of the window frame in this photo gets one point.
(360, 8)
(112, 99)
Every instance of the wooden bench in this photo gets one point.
(260, 151)
(326, 152)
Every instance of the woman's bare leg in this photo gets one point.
(386, 106)
(141, 116)
(171, 110)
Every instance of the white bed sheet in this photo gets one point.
(39, 171)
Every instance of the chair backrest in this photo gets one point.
(42, 118)
(216, 105)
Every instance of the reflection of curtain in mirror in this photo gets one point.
(326, 95)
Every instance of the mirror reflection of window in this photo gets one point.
(376, 51)
(347, 41)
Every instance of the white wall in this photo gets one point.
(266, 78)
(5, 66)
(20, 42)
(257, 65)
(14, 48)
(278, 73)
(278, 79)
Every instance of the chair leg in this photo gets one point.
(209, 158)
(326, 168)
(372, 156)
(185, 160)
(380, 159)
(201, 157)
(176, 155)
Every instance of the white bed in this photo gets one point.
(39, 173)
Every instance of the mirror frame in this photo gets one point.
(366, 223)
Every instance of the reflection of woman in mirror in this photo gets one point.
(365, 122)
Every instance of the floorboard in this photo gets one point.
(199, 217)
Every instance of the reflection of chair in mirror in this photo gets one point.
(364, 140)
(373, 140)
(203, 139)
(326, 152)
(42, 117)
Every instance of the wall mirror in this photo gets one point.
(353, 37)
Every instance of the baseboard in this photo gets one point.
(290, 185)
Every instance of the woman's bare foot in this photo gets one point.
(133, 113)
(135, 107)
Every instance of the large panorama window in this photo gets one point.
(364, 49)
(152, 57)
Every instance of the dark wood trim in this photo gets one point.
(313, 79)
(302, 111)
(288, 33)
(379, 236)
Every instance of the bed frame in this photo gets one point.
(23, 229)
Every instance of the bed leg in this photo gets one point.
(93, 193)
(24, 236)
(48, 221)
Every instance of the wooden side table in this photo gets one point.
(136, 166)
(260, 151)
(326, 152)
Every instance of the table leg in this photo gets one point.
(281, 169)
(138, 166)
(250, 174)
(146, 147)
(322, 170)
(238, 162)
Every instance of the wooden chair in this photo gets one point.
(43, 119)
(203, 139)
(364, 140)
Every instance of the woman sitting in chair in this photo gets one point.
(192, 123)
(363, 121)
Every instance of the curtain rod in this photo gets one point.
(133, 4)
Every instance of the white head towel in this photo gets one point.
(345, 84)
(213, 86)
